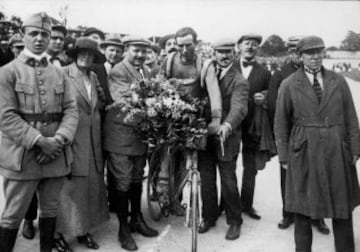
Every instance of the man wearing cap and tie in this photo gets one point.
(126, 151)
(223, 148)
(38, 120)
(318, 142)
(258, 78)
(286, 70)
(56, 45)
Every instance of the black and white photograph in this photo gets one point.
(179, 126)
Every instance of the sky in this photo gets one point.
(212, 19)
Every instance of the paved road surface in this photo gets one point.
(256, 236)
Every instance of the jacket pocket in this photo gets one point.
(59, 93)
(25, 95)
(11, 154)
(298, 145)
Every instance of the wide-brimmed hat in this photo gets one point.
(254, 36)
(310, 43)
(84, 43)
(112, 39)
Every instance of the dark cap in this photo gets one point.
(164, 39)
(112, 39)
(39, 20)
(60, 28)
(92, 30)
(248, 36)
(310, 43)
(84, 43)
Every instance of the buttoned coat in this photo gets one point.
(28, 87)
(120, 137)
(88, 132)
(258, 79)
(234, 90)
(317, 142)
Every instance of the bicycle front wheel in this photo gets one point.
(194, 211)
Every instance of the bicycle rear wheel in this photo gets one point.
(153, 203)
(194, 210)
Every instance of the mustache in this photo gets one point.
(225, 59)
(172, 50)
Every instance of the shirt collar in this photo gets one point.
(30, 54)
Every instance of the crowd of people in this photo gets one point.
(64, 155)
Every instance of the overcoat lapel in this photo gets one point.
(79, 83)
(226, 80)
(304, 86)
(330, 86)
(132, 71)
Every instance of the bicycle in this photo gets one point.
(158, 207)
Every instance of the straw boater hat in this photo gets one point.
(112, 39)
(84, 43)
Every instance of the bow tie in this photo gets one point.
(248, 63)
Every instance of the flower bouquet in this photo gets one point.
(161, 112)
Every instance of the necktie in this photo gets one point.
(218, 74)
(317, 88)
(248, 63)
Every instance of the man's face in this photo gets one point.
(16, 50)
(224, 57)
(113, 54)
(56, 44)
(85, 59)
(36, 40)
(186, 47)
(170, 46)
(95, 37)
(312, 59)
(248, 48)
(136, 54)
(151, 56)
(295, 57)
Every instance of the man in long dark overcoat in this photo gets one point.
(318, 141)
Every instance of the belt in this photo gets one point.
(318, 122)
(43, 117)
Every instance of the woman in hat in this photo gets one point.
(83, 204)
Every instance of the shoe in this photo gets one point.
(285, 223)
(60, 244)
(252, 213)
(321, 226)
(205, 226)
(138, 224)
(28, 230)
(125, 238)
(88, 241)
(233, 232)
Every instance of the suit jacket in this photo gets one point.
(87, 139)
(31, 87)
(234, 90)
(120, 137)
(258, 82)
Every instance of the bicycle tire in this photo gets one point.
(154, 206)
(194, 211)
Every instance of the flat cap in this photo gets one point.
(112, 39)
(254, 36)
(59, 27)
(16, 40)
(92, 30)
(39, 20)
(224, 44)
(136, 40)
(164, 39)
(292, 41)
(310, 43)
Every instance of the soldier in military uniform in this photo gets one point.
(38, 120)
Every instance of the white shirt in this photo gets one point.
(245, 70)
(87, 84)
(318, 77)
(55, 62)
(223, 70)
(107, 66)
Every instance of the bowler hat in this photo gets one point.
(310, 43)
(136, 40)
(39, 20)
(224, 44)
(60, 28)
(112, 39)
(92, 30)
(164, 39)
(16, 40)
(248, 36)
(84, 43)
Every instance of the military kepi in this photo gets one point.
(310, 43)
(39, 20)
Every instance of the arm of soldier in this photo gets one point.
(351, 121)
(70, 119)
(11, 123)
(238, 103)
(283, 124)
